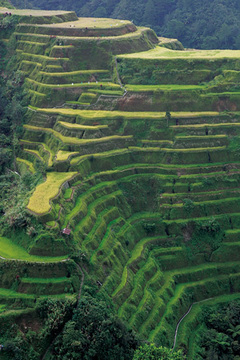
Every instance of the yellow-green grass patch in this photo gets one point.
(81, 127)
(91, 23)
(10, 250)
(157, 142)
(100, 114)
(39, 202)
(161, 52)
(30, 12)
(33, 92)
(64, 155)
(200, 137)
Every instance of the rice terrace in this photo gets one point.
(126, 185)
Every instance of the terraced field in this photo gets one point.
(140, 150)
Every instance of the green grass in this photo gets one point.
(10, 250)
(104, 219)
(44, 281)
(35, 153)
(2, 308)
(70, 73)
(205, 125)
(27, 163)
(194, 149)
(173, 87)
(163, 53)
(105, 85)
(46, 148)
(39, 202)
(82, 200)
(98, 155)
(51, 154)
(68, 193)
(41, 57)
(11, 294)
(136, 253)
(87, 222)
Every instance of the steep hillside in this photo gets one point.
(197, 24)
(138, 142)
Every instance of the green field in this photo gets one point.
(164, 53)
(10, 250)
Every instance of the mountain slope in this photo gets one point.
(198, 24)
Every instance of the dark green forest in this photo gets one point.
(205, 24)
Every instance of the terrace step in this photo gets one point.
(32, 47)
(44, 286)
(32, 37)
(82, 202)
(78, 29)
(88, 221)
(94, 239)
(29, 66)
(71, 76)
(232, 235)
(27, 163)
(209, 287)
(75, 142)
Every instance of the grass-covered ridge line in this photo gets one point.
(39, 202)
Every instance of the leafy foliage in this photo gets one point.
(206, 237)
(219, 337)
(95, 333)
(151, 352)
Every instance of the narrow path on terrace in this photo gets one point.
(183, 317)
(78, 299)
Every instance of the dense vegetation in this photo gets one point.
(197, 24)
(143, 178)
(218, 335)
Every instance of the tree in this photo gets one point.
(94, 333)
(151, 352)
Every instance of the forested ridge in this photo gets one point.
(197, 24)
